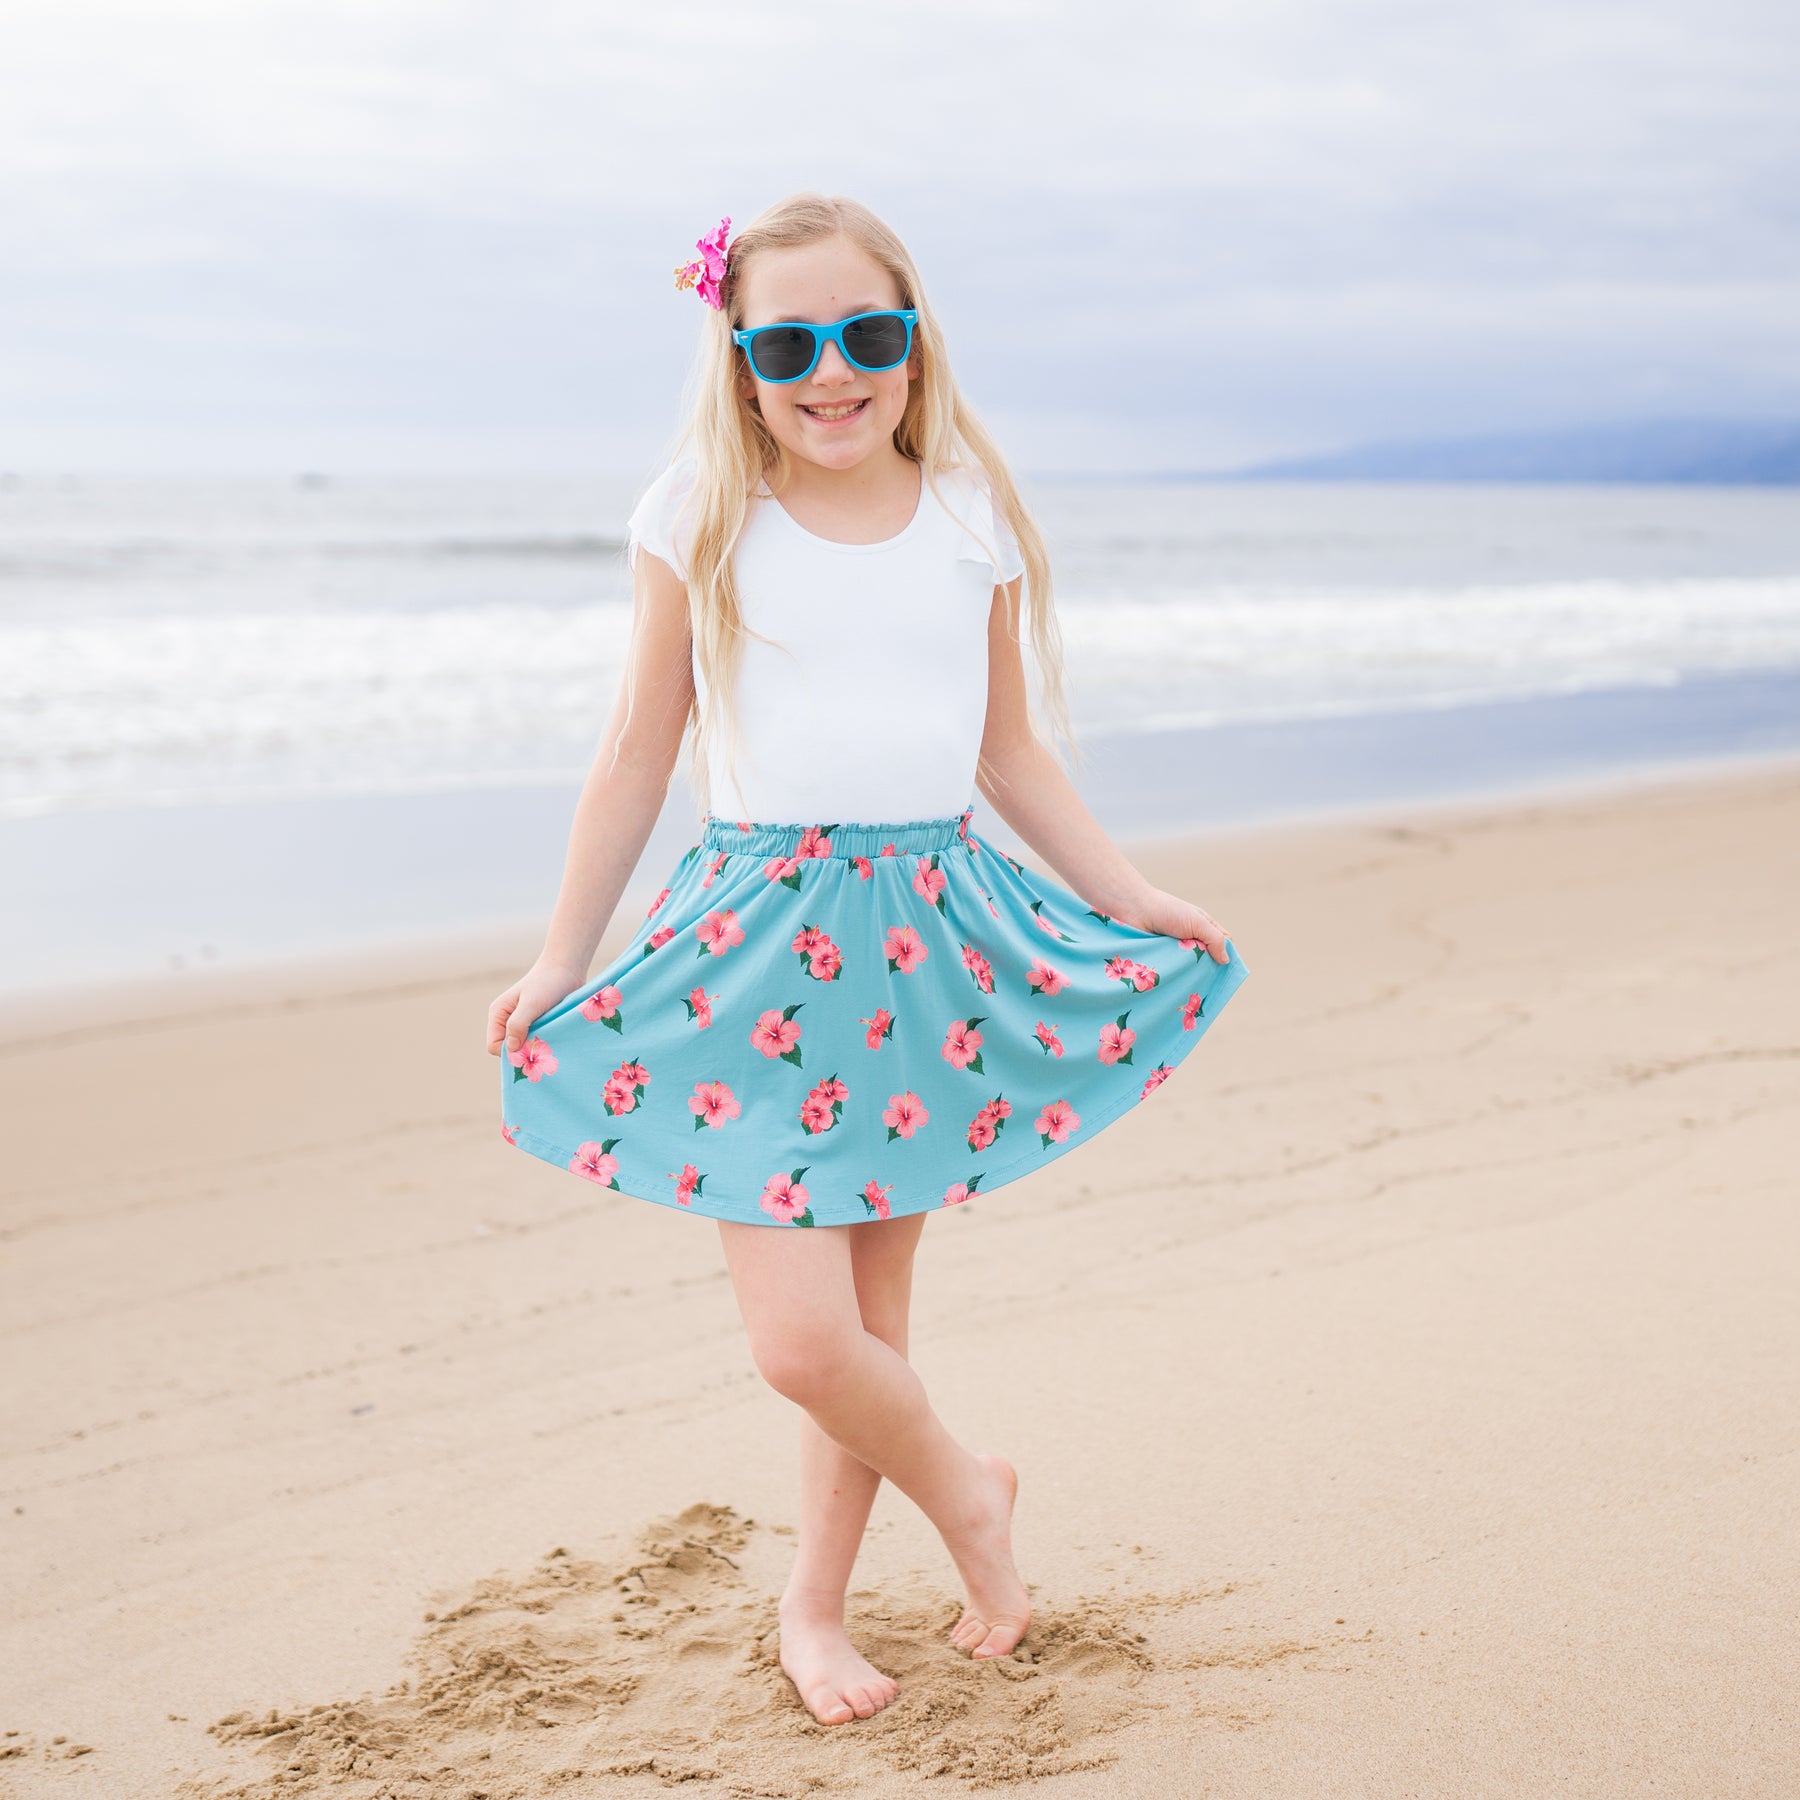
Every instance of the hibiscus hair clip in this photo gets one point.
(707, 270)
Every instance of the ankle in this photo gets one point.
(800, 1604)
(974, 1511)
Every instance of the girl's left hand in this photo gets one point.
(1171, 916)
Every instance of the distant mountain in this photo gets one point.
(1727, 452)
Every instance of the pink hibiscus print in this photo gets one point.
(929, 881)
(903, 1115)
(603, 1007)
(718, 931)
(687, 1183)
(532, 1061)
(1041, 975)
(989, 1122)
(819, 956)
(658, 938)
(654, 904)
(815, 840)
(962, 1044)
(1116, 1041)
(881, 1026)
(864, 867)
(597, 1163)
(712, 1103)
(979, 967)
(776, 1033)
(1046, 1035)
(699, 1004)
(1128, 969)
(905, 949)
(1191, 1009)
(875, 1198)
(1155, 1079)
(625, 1087)
(784, 1199)
(1056, 1121)
(713, 867)
(823, 1106)
(510, 1133)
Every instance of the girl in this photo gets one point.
(845, 1010)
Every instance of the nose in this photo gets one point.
(832, 369)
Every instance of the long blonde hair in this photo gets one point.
(734, 450)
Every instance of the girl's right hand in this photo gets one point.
(513, 1014)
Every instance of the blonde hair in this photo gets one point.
(734, 450)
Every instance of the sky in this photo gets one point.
(439, 236)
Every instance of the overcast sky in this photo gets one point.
(432, 234)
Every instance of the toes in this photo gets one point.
(1001, 1640)
(829, 1707)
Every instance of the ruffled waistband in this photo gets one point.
(901, 837)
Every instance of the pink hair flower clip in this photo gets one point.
(707, 270)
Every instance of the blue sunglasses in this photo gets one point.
(872, 341)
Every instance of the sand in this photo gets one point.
(1426, 1425)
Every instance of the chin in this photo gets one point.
(838, 453)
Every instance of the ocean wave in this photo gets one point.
(96, 711)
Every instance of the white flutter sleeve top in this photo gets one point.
(869, 705)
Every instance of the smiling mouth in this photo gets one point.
(843, 409)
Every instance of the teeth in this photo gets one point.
(841, 411)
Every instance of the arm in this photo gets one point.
(1027, 787)
(619, 801)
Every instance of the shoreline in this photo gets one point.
(503, 950)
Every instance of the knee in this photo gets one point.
(807, 1367)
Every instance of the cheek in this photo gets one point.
(893, 390)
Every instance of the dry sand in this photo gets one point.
(1406, 1397)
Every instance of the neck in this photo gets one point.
(875, 474)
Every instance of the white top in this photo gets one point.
(873, 711)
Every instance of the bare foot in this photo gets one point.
(998, 1610)
(835, 1680)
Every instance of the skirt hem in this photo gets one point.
(993, 1175)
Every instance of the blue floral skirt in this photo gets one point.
(827, 1024)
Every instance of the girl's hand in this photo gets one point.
(514, 1013)
(1174, 917)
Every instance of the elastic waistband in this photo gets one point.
(901, 837)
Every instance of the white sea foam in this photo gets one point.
(231, 641)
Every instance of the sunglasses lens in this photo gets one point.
(876, 343)
(782, 353)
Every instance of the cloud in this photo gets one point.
(1247, 227)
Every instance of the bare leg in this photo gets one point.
(797, 1293)
(837, 1489)
(836, 1493)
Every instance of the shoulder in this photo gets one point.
(983, 532)
(659, 521)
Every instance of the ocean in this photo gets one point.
(248, 718)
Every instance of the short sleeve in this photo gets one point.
(986, 535)
(657, 522)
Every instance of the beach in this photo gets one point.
(1405, 1398)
